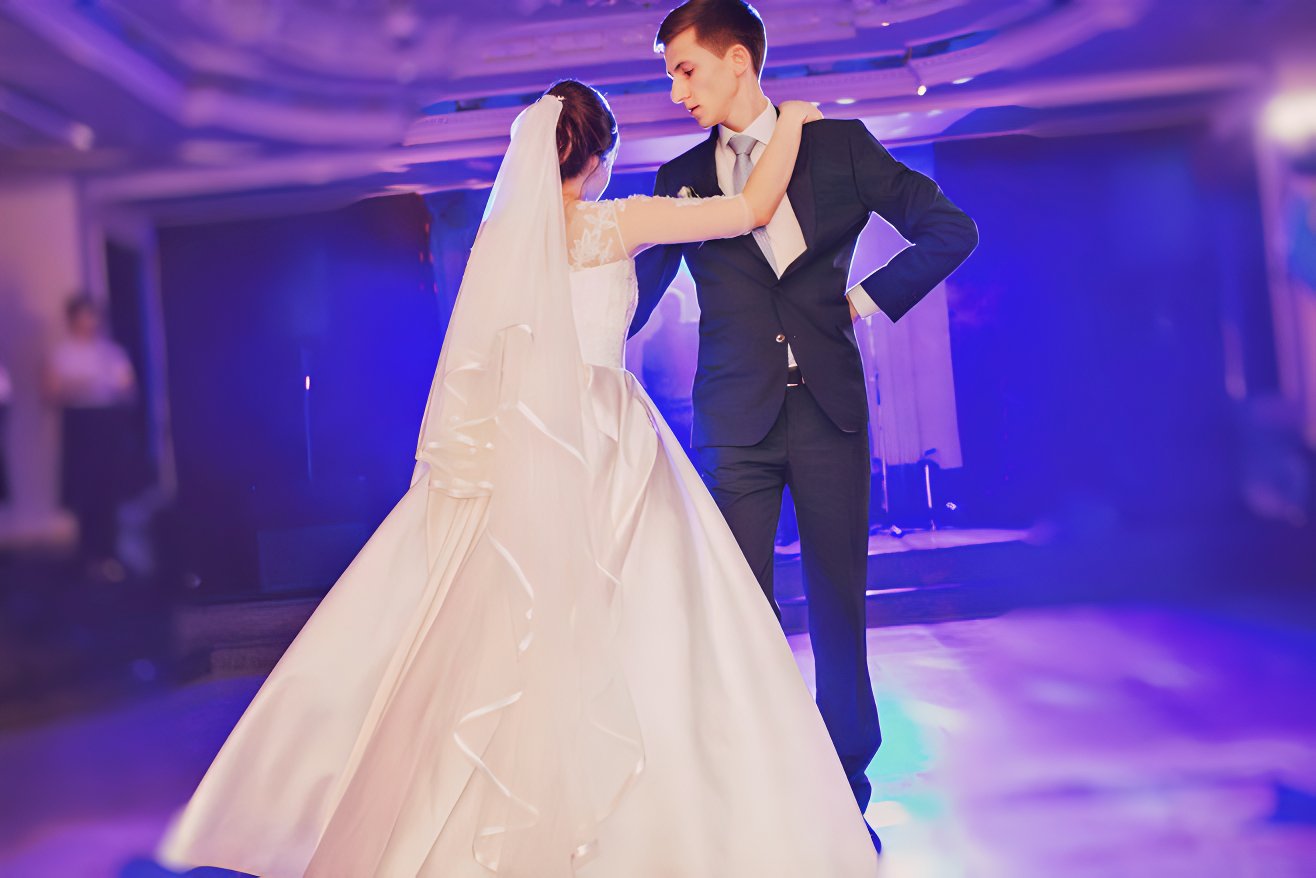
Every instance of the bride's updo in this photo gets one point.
(585, 129)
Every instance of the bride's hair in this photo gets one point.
(586, 127)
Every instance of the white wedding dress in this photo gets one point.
(379, 746)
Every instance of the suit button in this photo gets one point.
(780, 338)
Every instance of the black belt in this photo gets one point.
(793, 376)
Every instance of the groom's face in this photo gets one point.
(704, 82)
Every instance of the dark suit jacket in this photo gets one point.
(842, 176)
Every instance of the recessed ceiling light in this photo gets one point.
(845, 102)
(962, 80)
(81, 137)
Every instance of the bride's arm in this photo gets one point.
(644, 222)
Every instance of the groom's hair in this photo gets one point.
(718, 25)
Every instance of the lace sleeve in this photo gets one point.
(645, 220)
(593, 235)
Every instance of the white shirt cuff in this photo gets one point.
(863, 303)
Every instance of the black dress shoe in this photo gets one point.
(877, 842)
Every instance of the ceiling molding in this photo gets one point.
(45, 121)
(652, 131)
(199, 107)
(523, 58)
(883, 91)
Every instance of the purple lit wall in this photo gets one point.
(1087, 328)
(1074, 365)
(300, 352)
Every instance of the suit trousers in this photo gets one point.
(827, 470)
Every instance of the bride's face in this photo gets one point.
(597, 180)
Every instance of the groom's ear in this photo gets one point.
(739, 59)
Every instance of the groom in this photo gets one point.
(779, 396)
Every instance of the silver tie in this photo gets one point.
(742, 145)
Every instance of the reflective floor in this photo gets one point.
(1049, 742)
(1096, 742)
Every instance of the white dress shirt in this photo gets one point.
(91, 373)
(784, 233)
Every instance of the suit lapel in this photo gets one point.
(800, 193)
(706, 171)
(799, 190)
(747, 241)
(706, 185)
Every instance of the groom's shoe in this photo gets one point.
(877, 842)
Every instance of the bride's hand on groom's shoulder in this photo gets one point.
(806, 111)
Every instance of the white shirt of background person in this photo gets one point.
(91, 373)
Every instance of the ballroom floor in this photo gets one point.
(1063, 742)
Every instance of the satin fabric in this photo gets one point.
(740, 778)
(551, 660)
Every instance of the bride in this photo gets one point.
(551, 659)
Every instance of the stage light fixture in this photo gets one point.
(920, 88)
(1290, 118)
